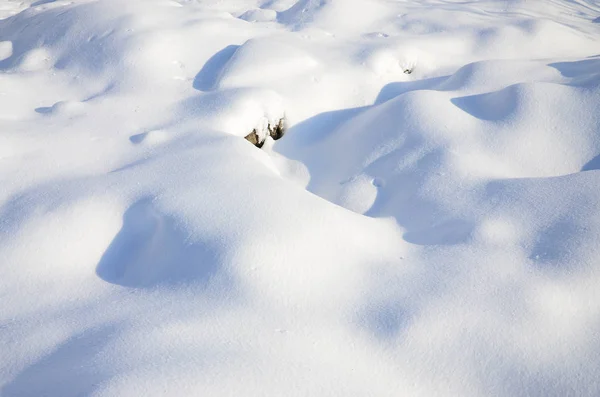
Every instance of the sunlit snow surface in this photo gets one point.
(427, 234)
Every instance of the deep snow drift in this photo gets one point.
(427, 234)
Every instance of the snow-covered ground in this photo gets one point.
(428, 226)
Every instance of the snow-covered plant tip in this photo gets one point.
(274, 130)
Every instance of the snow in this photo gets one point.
(432, 233)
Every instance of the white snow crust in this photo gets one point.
(432, 233)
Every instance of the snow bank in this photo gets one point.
(422, 234)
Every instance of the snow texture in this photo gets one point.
(433, 233)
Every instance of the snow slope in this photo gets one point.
(432, 233)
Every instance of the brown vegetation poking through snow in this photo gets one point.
(275, 131)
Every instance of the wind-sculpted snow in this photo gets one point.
(429, 225)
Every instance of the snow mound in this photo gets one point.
(259, 15)
(262, 61)
(302, 12)
(343, 16)
(237, 111)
